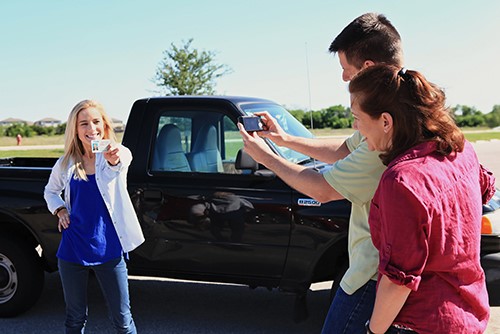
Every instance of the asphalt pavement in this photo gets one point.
(169, 306)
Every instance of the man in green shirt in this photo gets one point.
(354, 175)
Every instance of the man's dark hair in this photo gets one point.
(372, 37)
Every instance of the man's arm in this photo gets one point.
(305, 180)
(326, 150)
(388, 302)
(302, 179)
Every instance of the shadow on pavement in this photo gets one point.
(178, 307)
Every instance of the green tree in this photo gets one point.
(468, 116)
(492, 119)
(19, 128)
(186, 71)
(337, 117)
(299, 114)
(60, 129)
(317, 120)
(43, 130)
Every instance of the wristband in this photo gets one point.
(367, 326)
(59, 209)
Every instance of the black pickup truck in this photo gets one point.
(207, 210)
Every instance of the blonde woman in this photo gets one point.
(96, 217)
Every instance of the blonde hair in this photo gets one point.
(73, 147)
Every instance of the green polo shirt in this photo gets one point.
(356, 177)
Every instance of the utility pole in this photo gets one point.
(309, 88)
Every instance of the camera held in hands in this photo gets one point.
(251, 123)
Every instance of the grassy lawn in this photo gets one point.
(332, 132)
(37, 140)
(471, 135)
(41, 140)
(31, 153)
(475, 136)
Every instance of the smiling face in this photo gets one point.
(377, 131)
(89, 126)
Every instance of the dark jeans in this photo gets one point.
(349, 313)
(113, 279)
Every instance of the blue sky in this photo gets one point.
(56, 53)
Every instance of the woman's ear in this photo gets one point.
(387, 122)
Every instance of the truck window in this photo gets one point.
(196, 141)
(184, 125)
(172, 144)
(232, 144)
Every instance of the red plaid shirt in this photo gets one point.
(425, 221)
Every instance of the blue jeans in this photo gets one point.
(113, 279)
(349, 313)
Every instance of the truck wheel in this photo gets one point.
(21, 277)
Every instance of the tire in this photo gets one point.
(21, 277)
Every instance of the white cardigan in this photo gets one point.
(112, 184)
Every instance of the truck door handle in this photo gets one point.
(152, 195)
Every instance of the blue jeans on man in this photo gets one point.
(349, 313)
(113, 279)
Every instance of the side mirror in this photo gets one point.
(246, 162)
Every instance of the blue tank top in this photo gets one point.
(91, 238)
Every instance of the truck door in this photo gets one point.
(199, 214)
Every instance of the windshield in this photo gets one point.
(289, 124)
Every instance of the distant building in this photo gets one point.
(48, 122)
(118, 125)
(11, 121)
